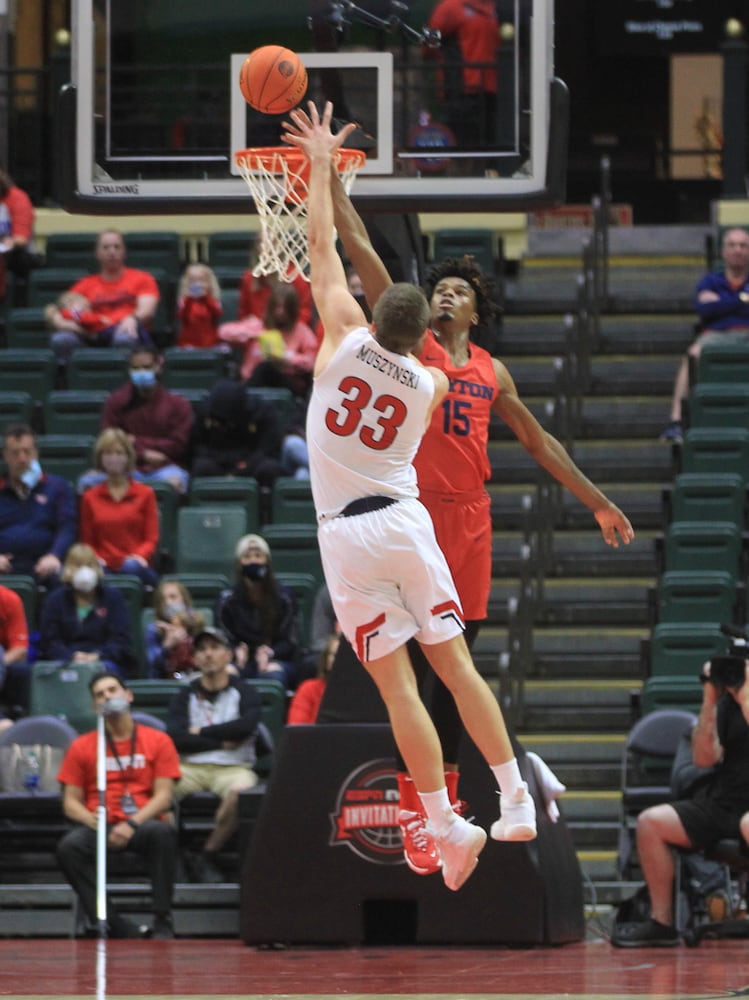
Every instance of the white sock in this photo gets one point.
(439, 811)
(508, 776)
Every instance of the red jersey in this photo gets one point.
(14, 630)
(118, 298)
(453, 456)
(116, 529)
(474, 24)
(198, 321)
(155, 756)
(21, 212)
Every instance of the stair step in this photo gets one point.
(641, 502)
(633, 375)
(580, 651)
(623, 416)
(609, 600)
(594, 834)
(588, 749)
(580, 806)
(574, 552)
(598, 864)
(629, 460)
(646, 333)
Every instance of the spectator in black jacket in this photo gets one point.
(85, 620)
(259, 615)
(213, 723)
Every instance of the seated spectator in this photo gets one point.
(120, 517)
(128, 296)
(255, 289)
(323, 625)
(280, 349)
(158, 423)
(722, 305)
(259, 615)
(85, 621)
(16, 235)
(38, 521)
(239, 435)
(170, 637)
(142, 766)
(213, 723)
(716, 810)
(15, 669)
(198, 307)
(306, 701)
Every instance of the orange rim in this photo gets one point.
(267, 156)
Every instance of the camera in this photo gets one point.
(730, 671)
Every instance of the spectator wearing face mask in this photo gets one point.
(119, 516)
(84, 620)
(259, 615)
(158, 423)
(38, 521)
(169, 638)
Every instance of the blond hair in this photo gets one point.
(79, 555)
(110, 439)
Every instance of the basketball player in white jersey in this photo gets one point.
(371, 403)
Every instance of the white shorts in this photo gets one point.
(388, 579)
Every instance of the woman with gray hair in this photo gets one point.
(259, 615)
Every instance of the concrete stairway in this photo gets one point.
(591, 611)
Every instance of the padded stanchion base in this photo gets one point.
(325, 864)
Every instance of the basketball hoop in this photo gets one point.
(278, 179)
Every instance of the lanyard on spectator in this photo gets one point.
(113, 748)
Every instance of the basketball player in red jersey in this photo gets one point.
(453, 467)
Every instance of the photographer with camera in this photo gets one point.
(718, 809)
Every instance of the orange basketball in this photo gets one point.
(273, 79)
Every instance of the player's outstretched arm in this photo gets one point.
(549, 453)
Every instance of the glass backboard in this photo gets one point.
(157, 114)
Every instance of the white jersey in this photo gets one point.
(365, 421)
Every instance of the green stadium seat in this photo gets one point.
(229, 277)
(74, 411)
(26, 326)
(25, 587)
(154, 695)
(703, 545)
(29, 370)
(723, 363)
(151, 251)
(67, 455)
(168, 502)
(703, 595)
(230, 249)
(478, 243)
(15, 407)
(131, 588)
(198, 368)
(679, 649)
(273, 704)
(294, 549)
(291, 501)
(305, 587)
(719, 405)
(716, 450)
(671, 692)
(708, 496)
(207, 537)
(61, 689)
(282, 399)
(98, 368)
(46, 284)
(233, 490)
(204, 588)
(72, 250)
(229, 304)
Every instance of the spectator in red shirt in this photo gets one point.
(198, 307)
(255, 290)
(14, 648)
(16, 233)
(158, 423)
(120, 517)
(468, 56)
(306, 701)
(141, 768)
(130, 297)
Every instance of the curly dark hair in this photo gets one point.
(482, 285)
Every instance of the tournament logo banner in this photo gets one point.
(366, 814)
(650, 27)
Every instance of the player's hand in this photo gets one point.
(614, 526)
(312, 133)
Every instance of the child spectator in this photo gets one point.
(169, 637)
(76, 307)
(198, 307)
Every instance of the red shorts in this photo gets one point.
(463, 526)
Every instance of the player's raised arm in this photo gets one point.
(338, 309)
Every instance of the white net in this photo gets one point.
(277, 179)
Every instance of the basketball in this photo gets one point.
(273, 79)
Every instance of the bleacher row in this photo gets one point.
(703, 552)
